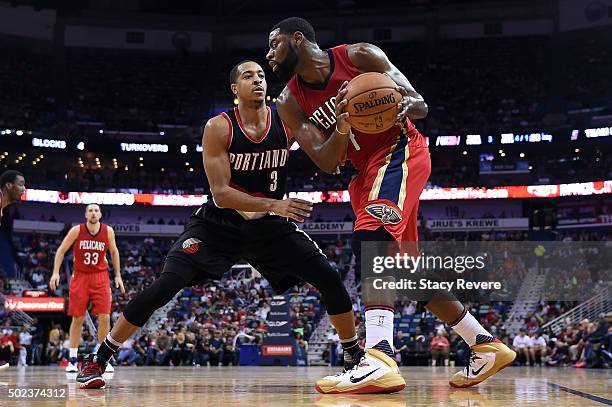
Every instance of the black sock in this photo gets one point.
(351, 347)
(107, 349)
(352, 351)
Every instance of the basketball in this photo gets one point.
(372, 102)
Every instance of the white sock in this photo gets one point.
(73, 352)
(469, 328)
(379, 326)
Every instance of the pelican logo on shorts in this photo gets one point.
(385, 213)
(191, 245)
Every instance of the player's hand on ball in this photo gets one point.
(342, 163)
(405, 105)
(119, 284)
(296, 209)
(342, 125)
(54, 282)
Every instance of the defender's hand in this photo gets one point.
(296, 209)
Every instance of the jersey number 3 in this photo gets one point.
(91, 258)
(274, 180)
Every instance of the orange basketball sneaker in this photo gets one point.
(375, 373)
(486, 359)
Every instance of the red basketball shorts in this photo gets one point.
(386, 193)
(86, 287)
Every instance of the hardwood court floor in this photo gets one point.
(290, 386)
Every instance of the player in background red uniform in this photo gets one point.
(393, 167)
(89, 241)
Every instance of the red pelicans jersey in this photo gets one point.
(318, 103)
(90, 250)
(393, 165)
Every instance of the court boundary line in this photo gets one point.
(579, 393)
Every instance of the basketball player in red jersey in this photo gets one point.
(393, 167)
(89, 241)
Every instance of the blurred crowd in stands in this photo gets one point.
(205, 324)
(422, 340)
(168, 93)
(469, 84)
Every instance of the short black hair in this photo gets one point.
(293, 24)
(234, 71)
(9, 176)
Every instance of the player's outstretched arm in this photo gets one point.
(116, 259)
(217, 167)
(68, 241)
(326, 154)
(369, 58)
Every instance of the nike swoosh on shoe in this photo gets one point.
(358, 379)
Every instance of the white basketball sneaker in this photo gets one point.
(486, 359)
(71, 368)
(375, 373)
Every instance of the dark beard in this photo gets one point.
(284, 70)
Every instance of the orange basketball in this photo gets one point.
(372, 102)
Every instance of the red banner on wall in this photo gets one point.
(29, 304)
(428, 194)
(35, 293)
(276, 350)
